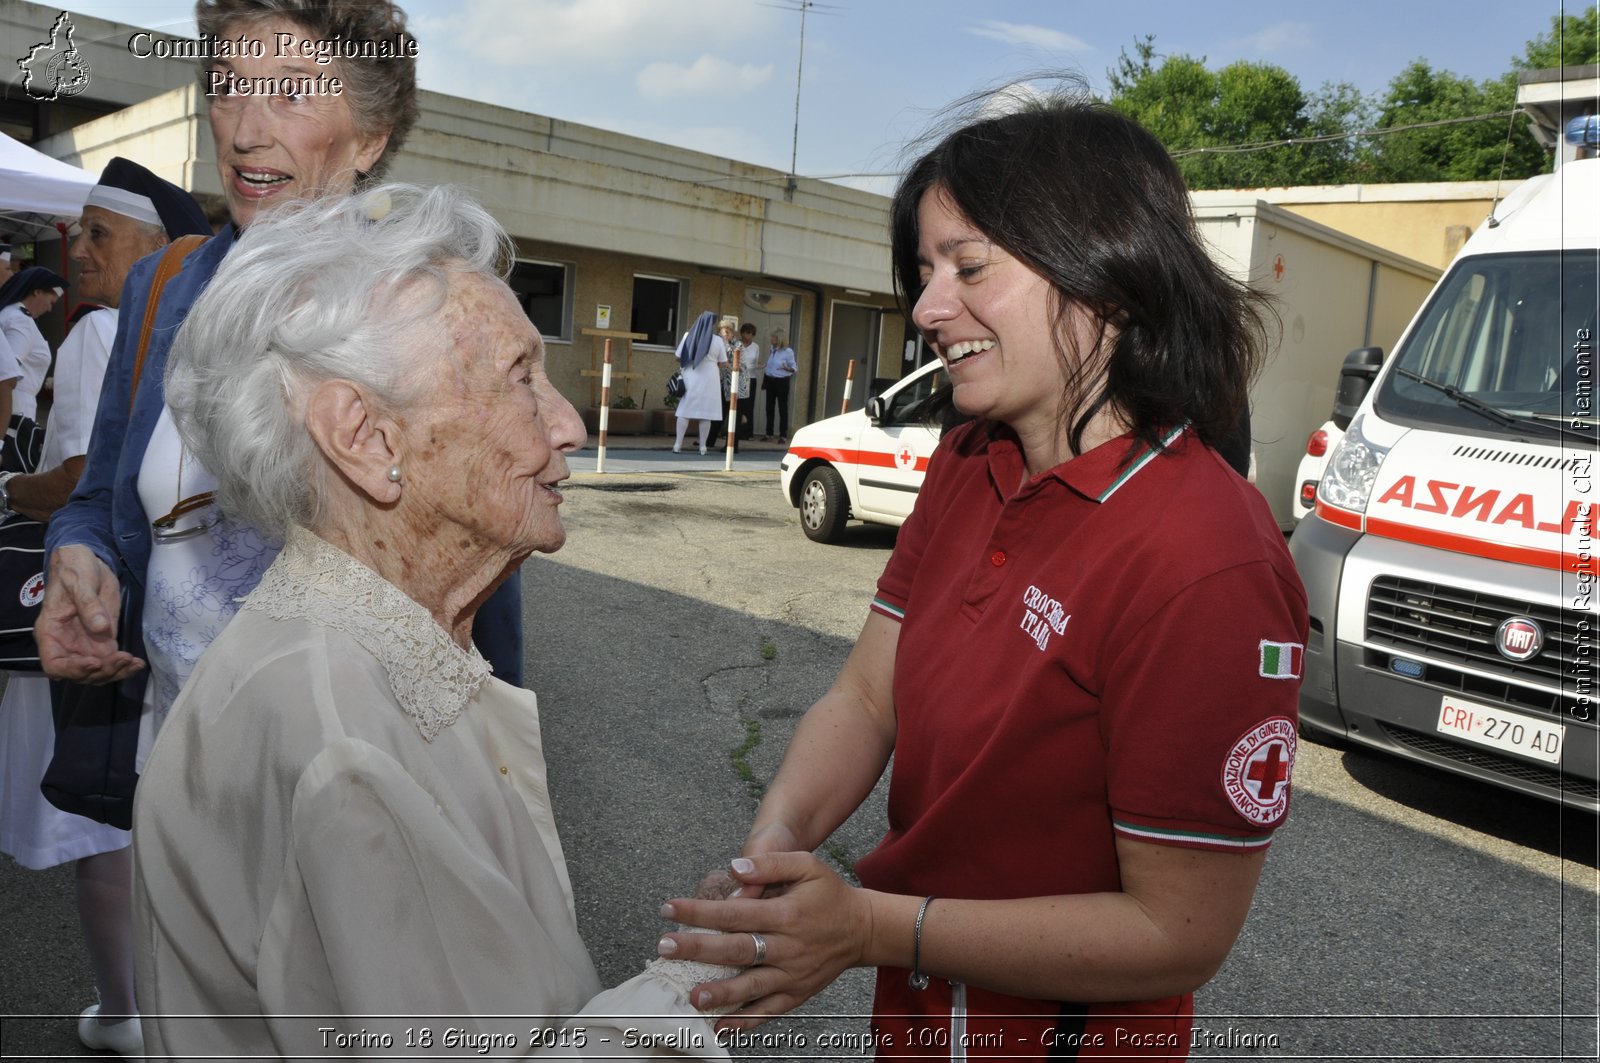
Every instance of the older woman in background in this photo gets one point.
(346, 814)
(139, 521)
(130, 213)
(727, 330)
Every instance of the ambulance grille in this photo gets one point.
(1516, 457)
(1550, 779)
(1449, 628)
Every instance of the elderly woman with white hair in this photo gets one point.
(345, 813)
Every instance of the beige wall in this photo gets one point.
(1430, 232)
(1427, 222)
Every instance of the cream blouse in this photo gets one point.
(343, 837)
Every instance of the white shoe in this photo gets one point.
(677, 450)
(123, 1038)
(702, 452)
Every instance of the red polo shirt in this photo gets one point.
(1112, 648)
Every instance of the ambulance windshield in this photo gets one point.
(1515, 332)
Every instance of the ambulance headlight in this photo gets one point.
(1347, 481)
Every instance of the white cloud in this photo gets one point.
(1277, 38)
(707, 76)
(566, 34)
(1028, 36)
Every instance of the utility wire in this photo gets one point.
(1329, 138)
(1234, 149)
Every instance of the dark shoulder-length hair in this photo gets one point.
(381, 91)
(1091, 202)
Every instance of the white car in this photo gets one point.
(1355, 380)
(1319, 448)
(865, 465)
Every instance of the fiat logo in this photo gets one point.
(1519, 638)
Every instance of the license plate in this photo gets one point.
(1499, 729)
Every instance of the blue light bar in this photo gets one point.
(1584, 131)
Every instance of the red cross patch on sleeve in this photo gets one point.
(1255, 774)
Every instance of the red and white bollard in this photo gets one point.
(733, 413)
(605, 409)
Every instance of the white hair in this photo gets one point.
(147, 231)
(345, 287)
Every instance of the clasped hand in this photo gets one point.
(77, 625)
(814, 925)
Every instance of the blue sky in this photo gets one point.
(720, 75)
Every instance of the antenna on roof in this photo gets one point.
(1505, 154)
(804, 7)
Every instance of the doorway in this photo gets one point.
(853, 337)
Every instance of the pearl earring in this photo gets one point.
(394, 474)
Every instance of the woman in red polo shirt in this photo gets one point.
(1083, 654)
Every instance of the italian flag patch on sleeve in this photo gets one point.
(1281, 660)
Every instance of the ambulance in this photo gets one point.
(866, 464)
(1450, 556)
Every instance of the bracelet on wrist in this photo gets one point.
(918, 979)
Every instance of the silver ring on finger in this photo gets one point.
(761, 949)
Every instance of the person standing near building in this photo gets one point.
(700, 354)
(780, 369)
(749, 370)
(726, 329)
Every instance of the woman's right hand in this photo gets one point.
(77, 625)
(815, 927)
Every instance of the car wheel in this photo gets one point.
(824, 505)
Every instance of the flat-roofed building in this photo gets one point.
(613, 232)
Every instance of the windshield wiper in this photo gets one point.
(1582, 427)
(1478, 406)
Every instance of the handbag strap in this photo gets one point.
(171, 262)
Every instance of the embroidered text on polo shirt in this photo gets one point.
(1042, 616)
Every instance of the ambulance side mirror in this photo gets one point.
(1355, 380)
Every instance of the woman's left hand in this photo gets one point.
(816, 928)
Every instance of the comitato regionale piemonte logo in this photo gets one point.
(54, 68)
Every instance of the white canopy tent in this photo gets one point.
(36, 191)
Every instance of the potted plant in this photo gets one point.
(626, 419)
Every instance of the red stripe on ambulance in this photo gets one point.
(875, 458)
(1344, 518)
(1467, 544)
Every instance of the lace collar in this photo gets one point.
(314, 581)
